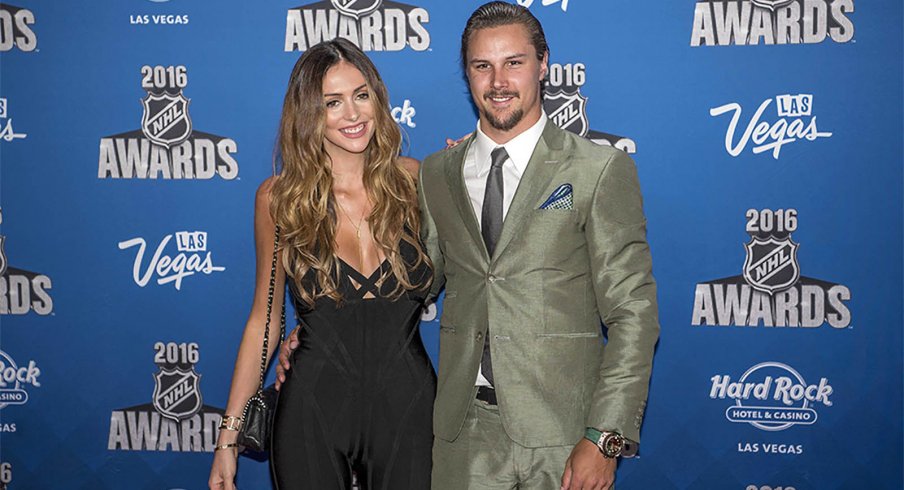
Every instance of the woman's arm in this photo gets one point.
(246, 376)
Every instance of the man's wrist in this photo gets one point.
(610, 443)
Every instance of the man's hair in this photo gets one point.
(496, 14)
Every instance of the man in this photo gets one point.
(538, 235)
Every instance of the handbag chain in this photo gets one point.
(282, 319)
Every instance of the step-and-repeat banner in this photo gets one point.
(768, 137)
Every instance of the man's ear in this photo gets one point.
(544, 65)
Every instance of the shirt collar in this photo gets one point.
(519, 149)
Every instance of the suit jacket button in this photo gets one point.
(492, 278)
(479, 336)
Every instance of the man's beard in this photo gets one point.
(509, 122)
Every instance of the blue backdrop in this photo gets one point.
(133, 135)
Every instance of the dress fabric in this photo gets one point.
(359, 396)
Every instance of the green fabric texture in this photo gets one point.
(483, 457)
(555, 275)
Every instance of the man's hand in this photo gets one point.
(588, 469)
(285, 352)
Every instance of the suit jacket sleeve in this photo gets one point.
(625, 296)
(428, 233)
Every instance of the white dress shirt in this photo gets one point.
(476, 169)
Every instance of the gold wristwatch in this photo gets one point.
(611, 444)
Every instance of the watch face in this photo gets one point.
(613, 445)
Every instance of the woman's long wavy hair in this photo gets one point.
(302, 202)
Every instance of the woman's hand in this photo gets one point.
(222, 474)
(450, 143)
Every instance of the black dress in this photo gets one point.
(359, 396)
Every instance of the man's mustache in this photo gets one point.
(490, 95)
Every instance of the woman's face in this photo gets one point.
(348, 109)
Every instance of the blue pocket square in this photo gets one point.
(561, 198)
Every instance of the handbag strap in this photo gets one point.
(282, 316)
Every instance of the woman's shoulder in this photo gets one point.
(266, 186)
(262, 196)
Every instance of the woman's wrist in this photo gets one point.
(227, 437)
(231, 423)
(230, 446)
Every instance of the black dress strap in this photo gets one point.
(365, 284)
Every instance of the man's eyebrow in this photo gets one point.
(509, 57)
(358, 89)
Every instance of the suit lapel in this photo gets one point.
(539, 172)
(459, 193)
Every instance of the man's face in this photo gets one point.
(504, 75)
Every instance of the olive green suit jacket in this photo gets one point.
(554, 276)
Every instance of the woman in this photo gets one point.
(359, 396)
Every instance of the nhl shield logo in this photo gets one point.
(165, 120)
(176, 394)
(771, 264)
(357, 8)
(772, 5)
(568, 110)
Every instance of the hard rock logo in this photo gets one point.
(771, 396)
(176, 393)
(14, 380)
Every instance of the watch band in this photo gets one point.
(593, 435)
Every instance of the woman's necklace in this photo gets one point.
(357, 231)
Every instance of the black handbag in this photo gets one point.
(257, 417)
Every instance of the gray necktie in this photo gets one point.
(491, 215)
(490, 228)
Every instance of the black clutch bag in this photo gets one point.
(257, 420)
(257, 417)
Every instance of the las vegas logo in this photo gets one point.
(795, 123)
(192, 258)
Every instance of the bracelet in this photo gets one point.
(225, 446)
(231, 423)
